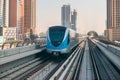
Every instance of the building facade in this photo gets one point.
(65, 16)
(113, 13)
(29, 16)
(9, 33)
(1, 36)
(6, 13)
(1, 12)
(4, 22)
(16, 17)
(19, 14)
(22, 15)
(112, 34)
(20, 20)
(113, 20)
(13, 13)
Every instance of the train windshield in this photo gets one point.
(57, 33)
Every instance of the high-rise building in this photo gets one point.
(73, 19)
(16, 17)
(65, 15)
(22, 15)
(29, 16)
(113, 20)
(4, 10)
(13, 13)
(6, 13)
(20, 20)
(113, 13)
(1, 12)
(33, 11)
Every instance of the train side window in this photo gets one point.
(68, 39)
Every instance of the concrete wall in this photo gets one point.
(18, 50)
(114, 49)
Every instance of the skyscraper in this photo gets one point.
(6, 13)
(113, 13)
(65, 15)
(4, 22)
(1, 22)
(73, 19)
(20, 20)
(22, 15)
(29, 16)
(113, 20)
(13, 13)
(1, 12)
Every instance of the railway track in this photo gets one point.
(26, 70)
(103, 69)
(49, 70)
(75, 68)
(86, 61)
(16, 72)
(66, 68)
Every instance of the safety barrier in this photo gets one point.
(114, 49)
(18, 50)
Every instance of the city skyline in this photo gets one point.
(91, 14)
(17, 19)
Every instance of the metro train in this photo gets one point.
(61, 40)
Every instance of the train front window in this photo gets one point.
(56, 33)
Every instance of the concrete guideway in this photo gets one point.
(41, 74)
(67, 69)
(18, 50)
(24, 70)
(104, 67)
(64, 67)
(86, 68)
(111, 48)
(113, 57)
(89, 60)
(19, 56)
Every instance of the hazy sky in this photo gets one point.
(91, 14)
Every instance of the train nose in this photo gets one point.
(56, 43)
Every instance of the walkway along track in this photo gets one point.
(103, 69)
